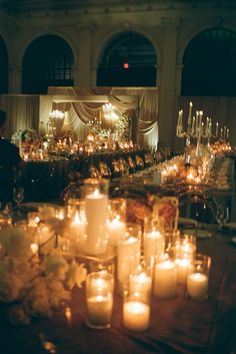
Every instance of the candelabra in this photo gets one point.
(199, 130)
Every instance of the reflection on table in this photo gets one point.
(179, 325)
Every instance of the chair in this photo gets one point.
(148, 160)
(123, 166)
(198, 205)
(104, 170)
(115, 169)
(139, 163)
(131, 164)
(93, 172)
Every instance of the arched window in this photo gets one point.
(129, 60)
(48, 61)
(3, 67)
(210, 64)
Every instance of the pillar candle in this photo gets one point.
(183, 267)
(190, 116)
(96, 211)
(128, 257)
(165, 280)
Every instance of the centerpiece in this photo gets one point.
(32, 285)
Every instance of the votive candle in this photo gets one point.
(136, 316)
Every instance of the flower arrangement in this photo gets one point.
(31, 285)
(122, 127)
(29, 136)
(100, 133)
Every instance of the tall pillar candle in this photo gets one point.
(165, 279)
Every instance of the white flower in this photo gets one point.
(75, 275)
(55, 265)
(10, 287)
(15, 242)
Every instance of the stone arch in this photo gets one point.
(218, 78)
(135, 75)
(106, 38)
(52, 69)
(27, 41)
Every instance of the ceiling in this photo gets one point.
(19, 6)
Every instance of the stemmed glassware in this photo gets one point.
(222, 215)
(18, 197)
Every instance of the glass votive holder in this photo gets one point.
(128, 254)
(5, 221)
(99, 299)
(116, 219)
(154, 242)
(184, 252)
(171, 237)
(198, 277)
(136, 311)
(165, 278)
(185, 247)
(141, 279)
(95, 196)
(33, 219)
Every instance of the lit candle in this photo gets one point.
(136, 316)
(190, 116)
(165, 280)
(140, 282)
(197, 121)
(154, 245)
(99, 310)
(99, 299)
(224, 135)
(33, 219)
(116, 230)
(96, 212)
(200, 122)
(227, 133)
(34, 248)
(128, 257)
(217, 128)
(183, 267)
(197, 284)
(210, 129)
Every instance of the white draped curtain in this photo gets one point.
(143, 110)
(22, 112)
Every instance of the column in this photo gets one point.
(167, 83)
(85, 46)
(14, 79)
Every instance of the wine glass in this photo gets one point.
(18, 197)
(222, 215)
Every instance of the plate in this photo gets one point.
(198, 232)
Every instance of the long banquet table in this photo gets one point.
(180, 325)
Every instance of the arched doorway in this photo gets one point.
(210, 64)
(3, 67)
(48, 61)
(128, 60)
